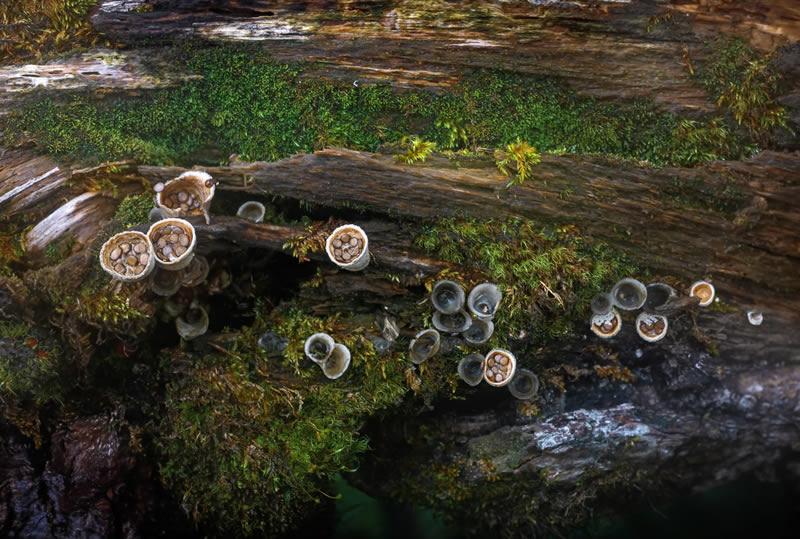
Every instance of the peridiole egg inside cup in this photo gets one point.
(484, 300)
(173, 241)
(128, 256)
(188, 194)
(606, 325)
(447, 297)
(499, 367)
(348, 247)
(703, 290)
(651, 327)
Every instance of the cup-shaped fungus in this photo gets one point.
(348, 247)
(424, 346)
(755, 317)
(479, 332)
(499, 367)
(452, 323)
(602, 303)
(193, 323)
(629, 294)
(319, 347)
(128, 256)
(606, 325)
(174, 241)
(483, 300)
(165, 283)
(337, 362)
(252, 211)
(651, 327)
(524, 385)
(447, 297)
(188, 194)
(658, 294)
(470, 369)
(196, 272)
(703, 290)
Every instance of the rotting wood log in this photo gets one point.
(605, 49)
(736, 221)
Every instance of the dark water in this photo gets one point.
(745, 508)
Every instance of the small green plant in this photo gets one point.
(752, 101)
(517, 158)
(453, 132)
(418, 149)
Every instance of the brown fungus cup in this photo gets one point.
(128, 256)
(348, 247)
(188, 194)
(173, 243)
(499, 367)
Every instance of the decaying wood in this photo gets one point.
(604, 49)
(662, 217)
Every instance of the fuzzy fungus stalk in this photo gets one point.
(703, 290)
(348, 247)
(128, 256)
(252, 211)
(524, 385)
(606, 325)
(447, 297)
(484, 300)
(188, 194)
(452, 323)
(651, 327)
(470, 369)
(499, 367)
(424, 346)
(337, 363)
(319, 347)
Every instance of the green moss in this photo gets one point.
(743, 82)
(245, 103)
(547, 276)
(251, 441)
(134, 210)
(29, 365)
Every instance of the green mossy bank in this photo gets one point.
(245, 103)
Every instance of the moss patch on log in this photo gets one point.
(547, 276)
(246, 103)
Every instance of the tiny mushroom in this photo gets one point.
(499, 367)
(470, 369)
(651, 327)
(424, 346)
(703, 290)
(348, 247)
(606, 325)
